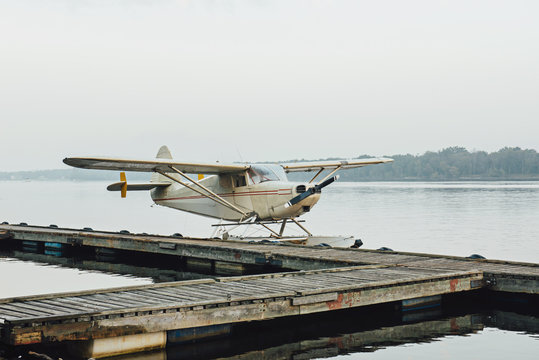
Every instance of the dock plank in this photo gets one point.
(176, 294)
(231, 289)
(137, 299)
(113, 299)
(25, 309)
(56, 309)
(78, 302)
(60, 305)
(96, 302)
(8, 314)
(163, 294)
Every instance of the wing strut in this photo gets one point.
(327, 176)
(318, 173)
(331, 173)
(210, 194)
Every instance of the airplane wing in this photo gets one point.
(152, 165)
(333, 164)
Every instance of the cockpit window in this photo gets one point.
(261, 173)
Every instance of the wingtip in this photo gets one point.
(74, 162)
(67, 161)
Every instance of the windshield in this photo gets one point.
(261, 173)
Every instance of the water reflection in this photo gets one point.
(41, 271)
(335, 336)
(155, 267)
(495, 219)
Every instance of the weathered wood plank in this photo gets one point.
(23, 309)
(153, 297)
(57, 309)
(227, 290)
(89, 306)
(161, 295)
(68, 307)
(96, 302)
(9, 314)
(138, 299)
(113, 299)
(196, 294)
(176, 294)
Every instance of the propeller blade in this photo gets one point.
(326, 182)
(316, 189)
(301, 196)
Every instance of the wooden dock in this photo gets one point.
(138, 318)
(217, 254)
(162, 309)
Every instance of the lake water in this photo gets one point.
(499, 220)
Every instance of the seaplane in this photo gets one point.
(235, 194)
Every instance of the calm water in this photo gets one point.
(499, 220)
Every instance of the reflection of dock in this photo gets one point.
(329, 346)
(158, 274)
(330, 340)
(512, 321)
(151, 316)
(339, 336)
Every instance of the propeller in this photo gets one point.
(312, 190)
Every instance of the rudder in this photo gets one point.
(163, 153)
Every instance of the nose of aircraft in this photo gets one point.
(311, 190)
(299, 208)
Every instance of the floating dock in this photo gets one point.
(312, 280)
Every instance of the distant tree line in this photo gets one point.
(453, 163)
(70, 175)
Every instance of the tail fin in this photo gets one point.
(163, 153)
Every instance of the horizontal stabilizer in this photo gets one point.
(133, 187)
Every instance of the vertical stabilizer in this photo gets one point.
(163, 153)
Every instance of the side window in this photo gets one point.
(239, 180)
(254, 176)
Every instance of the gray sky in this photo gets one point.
(264, 80)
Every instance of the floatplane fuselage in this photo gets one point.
(262, 191)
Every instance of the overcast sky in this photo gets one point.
(264, 80)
